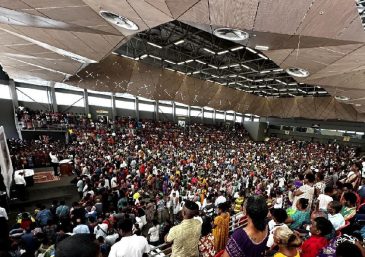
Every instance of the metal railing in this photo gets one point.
(165, 249)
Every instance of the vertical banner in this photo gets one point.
(5, 161)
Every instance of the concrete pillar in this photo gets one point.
(157, 107)
(202, 114)
(225, 116)
(86, 102)
(136, 105)
(53, 96)
(114, 108)
(189, 110)
(173, 111)
(13, 94)
(214, 116)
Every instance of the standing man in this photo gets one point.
(185, 236)
(20, 184)
(130, 245)
(55, 162)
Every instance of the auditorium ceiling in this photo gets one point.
(283, 58)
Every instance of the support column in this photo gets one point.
(157, 107)
(234, 117)
(14, 99)
(86, 102)
(225, 116)
(114, 108)
(137, 108)
(13, 94)
(214, 116)
(173, 111)
(189, 114)
(53, 96)
(202, 114)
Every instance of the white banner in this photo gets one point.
(5, 161)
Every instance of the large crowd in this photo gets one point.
(207, 190)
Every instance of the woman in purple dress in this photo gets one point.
(250, 241)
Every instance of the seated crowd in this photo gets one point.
(207, 190)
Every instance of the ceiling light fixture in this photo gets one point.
(169, 69)
(264, 71)
(155, 57)
(261, 48)
(234, 65)
(282, 82)
(245, 66)
(179, 42)
(222, 52)
(126, 56)
(170, 61)
(181, 72)
(263, 56)
(214, 67)
(342, 98)
(277, 70)
(357, 105)
(180, 63)
(231, 34)
(251, 50)
(154, 45)
(143, 56)
(200, 61)
(189, 61)
(208, 50)
(118, 20)
(297, 72)
(196, 72)
(223, 67)
(237, 48)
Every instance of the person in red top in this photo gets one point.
(319, 228)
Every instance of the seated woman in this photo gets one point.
(251, 240)
(349, 206)
(301, 216)
(287, 241)
(319, 229)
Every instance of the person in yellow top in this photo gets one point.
(239, 201)
(221, 227)
(287, 241)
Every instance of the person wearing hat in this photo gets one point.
(185, 236)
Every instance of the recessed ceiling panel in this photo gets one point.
(238, 14)
(274, 16)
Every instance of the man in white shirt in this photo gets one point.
(220, 199)
(130, 245)
(334, 215)
(55, 162)
(3, 213)
(20, 184)
(325, 199)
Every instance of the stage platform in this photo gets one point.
(46, 191)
